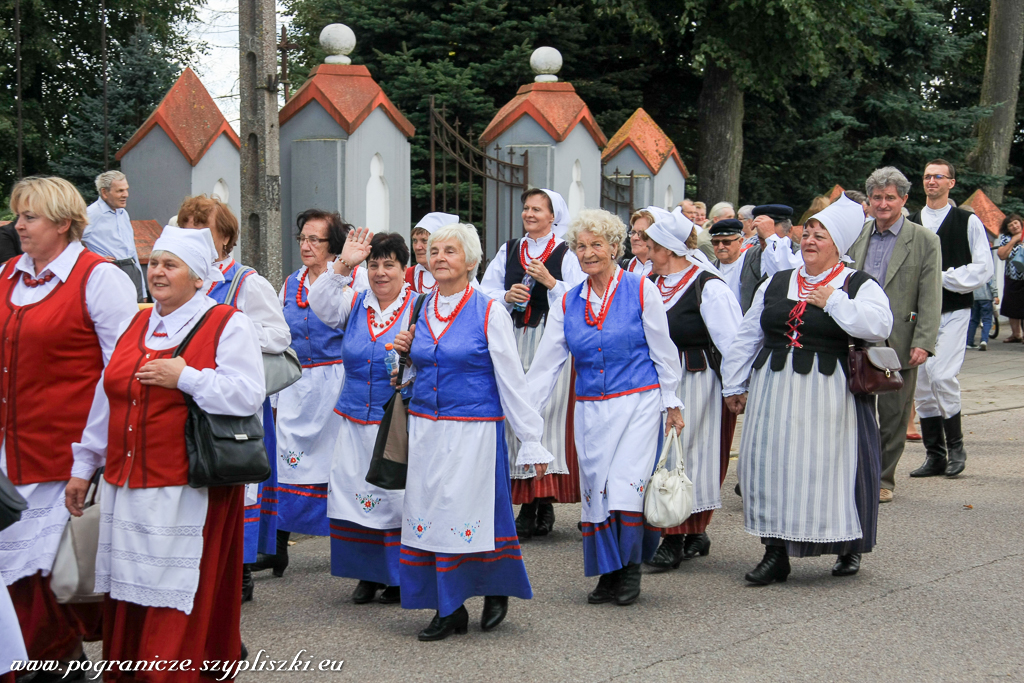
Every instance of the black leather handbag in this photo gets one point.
(11, 503)
(390, 461)
(223, 450)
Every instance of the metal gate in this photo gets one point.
(618, 193)
(466, 180)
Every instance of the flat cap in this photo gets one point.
(776, 212)
(729, 226)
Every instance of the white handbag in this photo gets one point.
(669, 498)
(73, 576)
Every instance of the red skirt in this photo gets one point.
(51, 630)
(212, 632)
(698, 522)
(564, 488)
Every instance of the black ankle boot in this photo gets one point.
(248, 586)
(390, 595)
(935, 446)
(846, 565)
(495, 609)
(442, 627)
(669, 553)
(607, 586)
(957, 458)
(526, 521)
(696, 544)
(774, 566)
(545, 519)
(629, 585)
(365, 592)
(278, 561)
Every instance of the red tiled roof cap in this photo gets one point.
(648, 140)
(836, 191)
(985, 209)
(348, 93)
(190, 118)
(555, 106)
(146, 233)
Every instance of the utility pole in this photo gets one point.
(103, 53)
(261, 163)
(17, 69)
(285, 47)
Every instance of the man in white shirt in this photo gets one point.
(110, 233)
(727, 241)
(966, 265)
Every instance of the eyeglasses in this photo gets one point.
(634, 233)
(719, 241)
(313, 241)
(937, 176)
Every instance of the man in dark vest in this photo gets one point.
(966, 265)
(529, 275)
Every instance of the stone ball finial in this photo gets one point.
(339, 41)
(546, 62)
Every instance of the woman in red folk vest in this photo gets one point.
(170, 555)
(62, 307)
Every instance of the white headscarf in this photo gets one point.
(435, 219)
(671, 230)
(561, 211)
(844, 219)
(194, 247)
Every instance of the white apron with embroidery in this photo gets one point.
(29, 546)
(151, 544)
(306, 428)
(12, 647)
(555, 413)
(449, 494)
(617, 447)
(349, 496)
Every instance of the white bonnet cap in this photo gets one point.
(194, 247)
(435, 219)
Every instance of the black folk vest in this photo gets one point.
(820, 335)
(514, 273)
(689, 333)
(956, 251)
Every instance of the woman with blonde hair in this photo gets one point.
(627, 372)
(63, 308)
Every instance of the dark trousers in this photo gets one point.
(893, 416)
(981, 312)
(132, 271)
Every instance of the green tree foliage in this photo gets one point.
(60, 51)
(140, 76)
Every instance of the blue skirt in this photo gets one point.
(261, 518)
(358, 552)
(443, 581)
(302, 508)
(621, 539)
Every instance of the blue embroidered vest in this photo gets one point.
(219, 291)
(454, 375)
(367, 383)
(615, 359)
(314, 342)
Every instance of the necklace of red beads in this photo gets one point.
(35, 282)
(524, 252)
(371, 315)
(804, 288)
(668, 292)
(454, 314)
(606, 302)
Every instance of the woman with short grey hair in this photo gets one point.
(627, 372)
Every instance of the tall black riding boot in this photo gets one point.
(955, 443)
(935, 448)
(526, 521)
(278, 561)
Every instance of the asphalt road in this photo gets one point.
(940, 599)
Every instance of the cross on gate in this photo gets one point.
(284, 47)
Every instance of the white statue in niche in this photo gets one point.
(377, 205)
(220, 191)
(669, 199)
(576, 193)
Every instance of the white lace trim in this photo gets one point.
(802, 539)
(151, 530)
(142, 558)
(145, 596)
(704, 508)
(41, 563)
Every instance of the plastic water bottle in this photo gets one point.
(528, 281)
(390, 358)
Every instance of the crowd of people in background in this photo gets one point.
(552, 376)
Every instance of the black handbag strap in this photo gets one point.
(416, 309)
(191, 333)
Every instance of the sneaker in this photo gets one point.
(983, 346)
(885, 496)
(973, 346)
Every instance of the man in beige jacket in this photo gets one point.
(906, 260)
